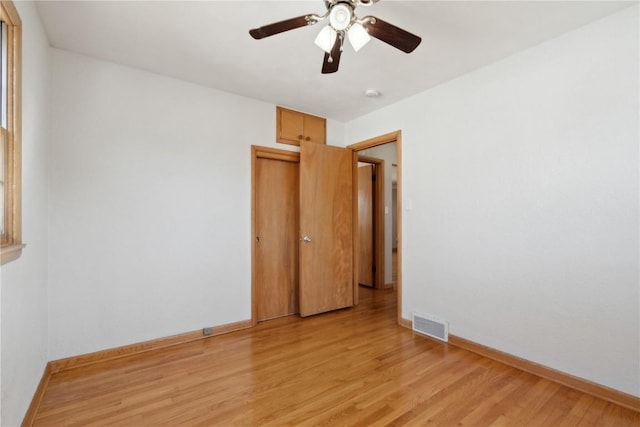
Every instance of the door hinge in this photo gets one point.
(373, 268)
(373, 177)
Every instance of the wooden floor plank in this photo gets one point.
(349, 367)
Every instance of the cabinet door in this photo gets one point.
(290, 125)
(315, 129)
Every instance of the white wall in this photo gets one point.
(150, 204)
(24, 281)
(523, 183)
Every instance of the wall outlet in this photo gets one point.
(207, 331)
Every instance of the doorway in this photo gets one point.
(368, 147)
(354, 151)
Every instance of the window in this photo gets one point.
(10, 132)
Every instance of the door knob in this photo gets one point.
(306, 239)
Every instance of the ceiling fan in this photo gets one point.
(343, 22)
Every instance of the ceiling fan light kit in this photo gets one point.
(342, 19)
(340, 16)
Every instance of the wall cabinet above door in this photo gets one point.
(294, 126)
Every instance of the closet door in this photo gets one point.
(326, 228)
(276, 240)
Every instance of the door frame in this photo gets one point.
(258, 152)
(378, 220)
(390, 137)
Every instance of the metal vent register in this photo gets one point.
(431, 326)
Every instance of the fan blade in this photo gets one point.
(390, 34)
(332, 61)
(282, 26)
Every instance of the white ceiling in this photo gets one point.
(208, 43)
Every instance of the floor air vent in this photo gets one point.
(430, 326)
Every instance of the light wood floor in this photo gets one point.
(350, 367)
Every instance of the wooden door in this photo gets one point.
(365, 226)
(326, 225)
(276, 240)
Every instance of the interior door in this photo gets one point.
(326, 227)
(276, 242)
(365, 226)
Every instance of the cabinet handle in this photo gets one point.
(300, 137)
(308, 138)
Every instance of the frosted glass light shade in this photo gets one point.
(340, 17)
(358, 36)
(326, 38)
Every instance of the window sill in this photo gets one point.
(10, 253)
